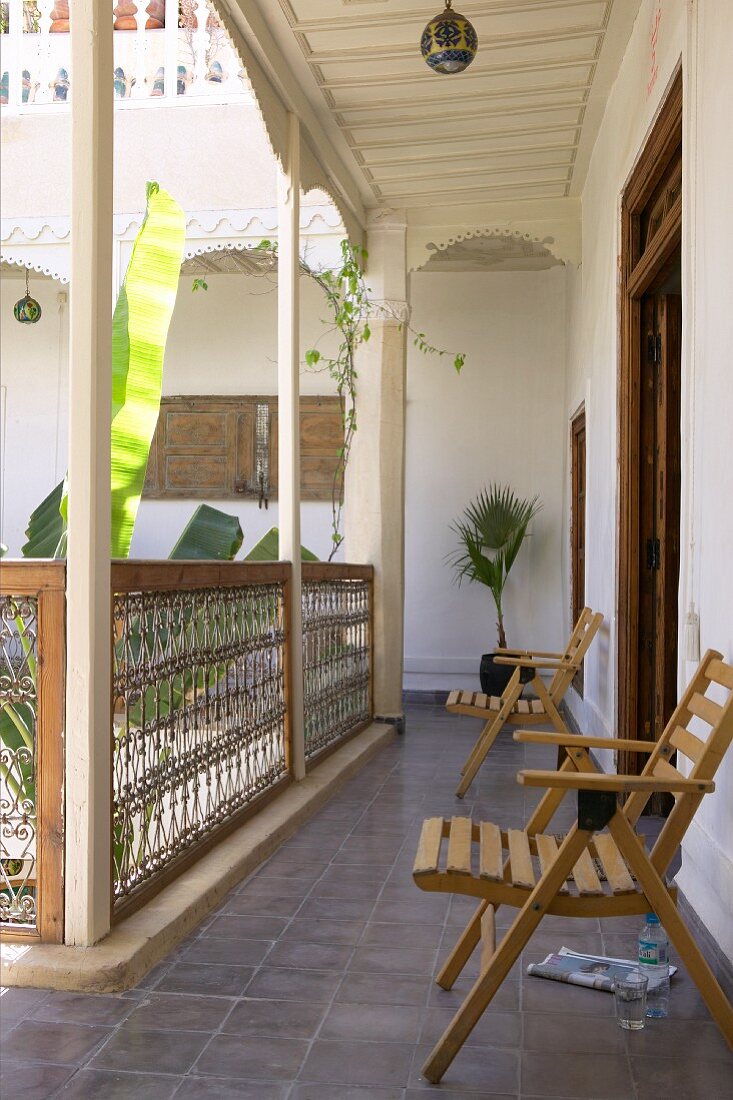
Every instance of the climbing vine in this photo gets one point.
(350, 307)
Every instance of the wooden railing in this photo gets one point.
(200, 713)
(32, 677)
(337, 653)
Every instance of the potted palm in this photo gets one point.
(490, 535)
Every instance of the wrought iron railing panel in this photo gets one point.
(336, 657)
(18, 722)
(198, 715)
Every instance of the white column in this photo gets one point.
(171, 48)
(375, 478)
(288, 389)
(13, 54)
(88, 727)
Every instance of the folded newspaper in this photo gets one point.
(592, 971)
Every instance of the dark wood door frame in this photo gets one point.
(640, 267)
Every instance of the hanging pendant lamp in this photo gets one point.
(27, 310)
(449, 43)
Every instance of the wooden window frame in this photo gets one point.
(639, 267)
(577, 582)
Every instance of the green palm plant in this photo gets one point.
(490, 535)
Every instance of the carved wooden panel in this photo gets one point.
(207, 448)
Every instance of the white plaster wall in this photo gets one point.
(707, 868)
(593, 335)
(221, 341)
(707, 578)
(500, 420)
(33, 377)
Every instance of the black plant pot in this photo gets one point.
(494, 678)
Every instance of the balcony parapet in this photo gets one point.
(170, 52)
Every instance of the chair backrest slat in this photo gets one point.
(705, 752)
(583, 634)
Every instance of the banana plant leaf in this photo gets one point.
(209, 534)
(139, 331)
(267, 549)
(46, 527)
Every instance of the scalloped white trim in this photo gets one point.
(548, 243)
(29, 265)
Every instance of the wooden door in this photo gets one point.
(577, 530)
(659, 511)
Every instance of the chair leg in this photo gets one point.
(463, 950)
(485, 732)
(479, 754)
(505, 956)
(489, 734)
(658, 896)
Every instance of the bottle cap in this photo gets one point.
(652, 918)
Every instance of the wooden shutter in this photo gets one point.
(205, 448)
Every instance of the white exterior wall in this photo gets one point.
(707, 871)
(221, 341)
(500, 420)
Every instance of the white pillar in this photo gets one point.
(288, 389)
(88, 729)
(375, 477)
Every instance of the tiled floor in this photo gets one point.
(313, 981)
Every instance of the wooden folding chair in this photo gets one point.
(509, 708)
(538, 876)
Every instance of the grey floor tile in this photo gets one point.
(253, 1058)
(247, 927)
(216, 979)
(382, 990)
(392, 960)
(319, 1091)
(279, 1019)
(90, 1084)
(29, 1081)
(45, 1041)
(227, 1088)
(275, 905)
(180, 1012)
(346, 1062)
(585, 1076)
(379, 1023)
(324, 930)
(150, 1051)
(566, 1034)
(21, 1002)
(310, 956)
(484, 1070)
(234, 952)
(281, 983)
(494, 1029)
(682, 1078)
(82, 1008)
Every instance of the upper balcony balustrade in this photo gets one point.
(172, 51)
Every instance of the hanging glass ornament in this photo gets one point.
(27, 310)
(449, 43)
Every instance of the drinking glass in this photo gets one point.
(630, 997)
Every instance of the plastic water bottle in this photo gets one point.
(654, 964)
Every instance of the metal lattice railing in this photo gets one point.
(198, 707)
(336, 653)
(31, 754)
(18, 817)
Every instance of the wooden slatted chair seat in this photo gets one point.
(460, 856)
(483, 706)
(600, 868)
(512, 707)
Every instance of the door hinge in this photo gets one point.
(654, 347)
(653, 554)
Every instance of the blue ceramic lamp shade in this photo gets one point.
(27, 311)
(449, 43)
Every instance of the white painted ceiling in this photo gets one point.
(519, 124)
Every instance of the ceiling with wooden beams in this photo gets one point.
(519, 123)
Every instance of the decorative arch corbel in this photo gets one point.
(561, 239)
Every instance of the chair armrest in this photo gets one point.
(504, 652)
(584, 742)
(528, 662)
(586, 781)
